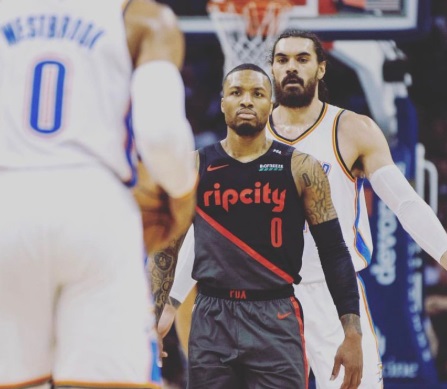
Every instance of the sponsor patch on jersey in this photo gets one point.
(271, 167)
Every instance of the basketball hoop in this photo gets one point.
(246, 29)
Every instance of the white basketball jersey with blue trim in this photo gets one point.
(65, 73)
(347, 193)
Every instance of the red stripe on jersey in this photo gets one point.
(239, 243)
(298, 316)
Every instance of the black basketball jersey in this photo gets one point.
(249, 221)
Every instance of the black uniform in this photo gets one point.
(247, 326)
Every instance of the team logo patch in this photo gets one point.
(271, 167)
(326, 167)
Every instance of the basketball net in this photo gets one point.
(247, 29)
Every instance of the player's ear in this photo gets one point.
(321, 69)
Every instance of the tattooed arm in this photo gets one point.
(161, 273)
(313, 186)
(314, 189)
(161, 269)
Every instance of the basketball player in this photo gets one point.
(74, 301)
(253, 198)
(350, 148)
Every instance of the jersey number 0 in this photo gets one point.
(276, 232)
(47, 97)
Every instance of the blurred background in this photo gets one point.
(387, 60)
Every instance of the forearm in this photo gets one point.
(163, 135)
(337, 267)
(351, 324)
(415, 215)
(161, 271)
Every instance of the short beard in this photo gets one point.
(247, 129)
(293, 98)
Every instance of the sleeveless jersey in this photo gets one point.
(65, 73)
(249, 221)
(347, 193)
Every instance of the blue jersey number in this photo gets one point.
(47, 97)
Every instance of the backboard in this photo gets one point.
(344, 19)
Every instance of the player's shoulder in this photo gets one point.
(353, 121)
(281, 148)
(306, 171)
(153, 33)
(356, 126)
(303, 161)
(302, 155)
(149, 14)
(204, 153)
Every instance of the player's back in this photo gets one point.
(65, 76)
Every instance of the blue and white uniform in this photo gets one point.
(74, 301)
(320, 316)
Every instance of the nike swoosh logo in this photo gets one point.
(212, 168)
(282, 316)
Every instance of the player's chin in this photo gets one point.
(248, 128)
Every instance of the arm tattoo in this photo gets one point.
(306, 180)
(161, 272)
(317, 208)
(315, 189)
(351, 322)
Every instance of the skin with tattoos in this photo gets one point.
(162, 269)
(246, 104)
(312, 183)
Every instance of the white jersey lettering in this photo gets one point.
(81, 59)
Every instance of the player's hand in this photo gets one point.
(161, 353)
(164, 218)
(350, 355)
(166, 320)
(435, 304)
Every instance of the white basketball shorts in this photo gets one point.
(74, 300)
(324, 334)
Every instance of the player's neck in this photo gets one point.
(292, 122)
(246, 148)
